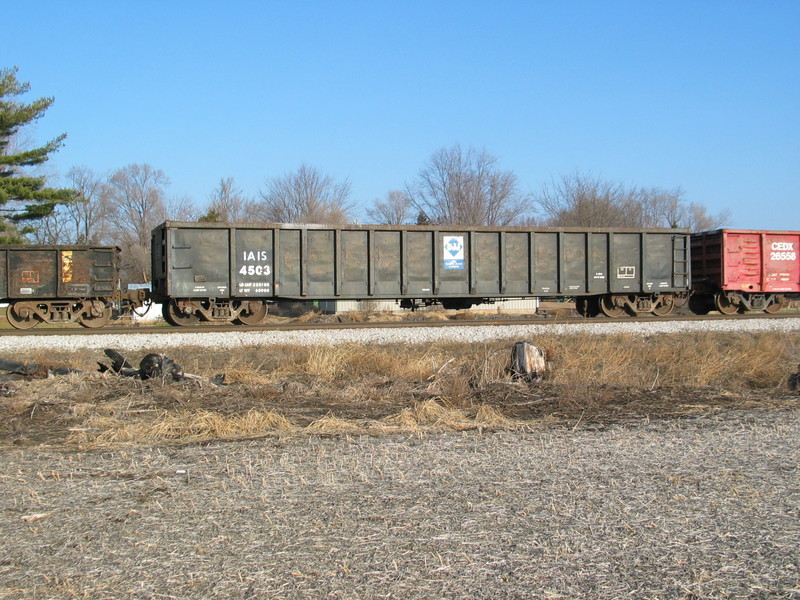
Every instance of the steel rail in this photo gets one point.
(294, 326)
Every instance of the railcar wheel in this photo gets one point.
(253, 312)
(664, 306)
(175, 316)
(99, 320)
(15, 312)
(610, 308)
(725, 305)
(778, 302)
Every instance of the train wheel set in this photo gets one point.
(89, 313)
(619, 305)
(185, 312)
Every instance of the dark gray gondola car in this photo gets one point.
(58, 284)
(223, 272)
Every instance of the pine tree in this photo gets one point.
(23, 198)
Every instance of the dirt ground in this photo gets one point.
(690, 508)
(449, 480)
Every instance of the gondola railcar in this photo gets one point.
(741, 270)
(223, 272)
(60, 284)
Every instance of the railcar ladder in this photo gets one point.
(680, 261)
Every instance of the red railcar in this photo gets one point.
(738, 270)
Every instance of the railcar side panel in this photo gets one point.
(545, 264)
(752, 261)
(385, 264)
(661, 260)
(454, 259)
(50, 272)
(488, 259)
(219, 261)
(198, 262)
(419, 258)
(252, 263)
(573, 264)
(626, 268)
(287, 263)
(354, 257)
(597, 279)
(515, 269)
(33, 274)
(319, 274)
(781, 260)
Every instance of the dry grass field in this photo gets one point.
(662, 467)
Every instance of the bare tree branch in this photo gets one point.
(305, 196)
(397, 209)
(464, 187)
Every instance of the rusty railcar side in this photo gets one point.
(58, 284)
(739, 270)
(224, 271)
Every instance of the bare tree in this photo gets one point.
(585, 201)
(465, 187)
(88, 218)
(180, 208)
(698, 219)
(82, 221)
(395, 210)
(227, 203)
(581, 200)
(304, 196)
(137, 193)
(51, 229)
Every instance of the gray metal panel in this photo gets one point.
(288, 263)
(386, 258)
(252, 263)
(657, 262)
(598, 263)
(319, 263)
(573, 263)
(516, 271)
(353, 264)
(625, 262)
(198, 261)
(487, 264)
(420, 258)
(546, 263)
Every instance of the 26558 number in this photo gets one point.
(783, 256)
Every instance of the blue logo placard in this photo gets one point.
(453, 246)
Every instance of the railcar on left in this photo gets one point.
(62, 284)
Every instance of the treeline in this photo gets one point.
(455, 186)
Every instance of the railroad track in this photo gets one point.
(295, 326)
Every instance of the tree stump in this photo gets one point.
(528, 362)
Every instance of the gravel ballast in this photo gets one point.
(407, 335)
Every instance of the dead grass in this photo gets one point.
(701, 507)
(382, 389)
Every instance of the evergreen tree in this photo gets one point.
(23, 198)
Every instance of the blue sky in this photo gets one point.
(702, 95)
